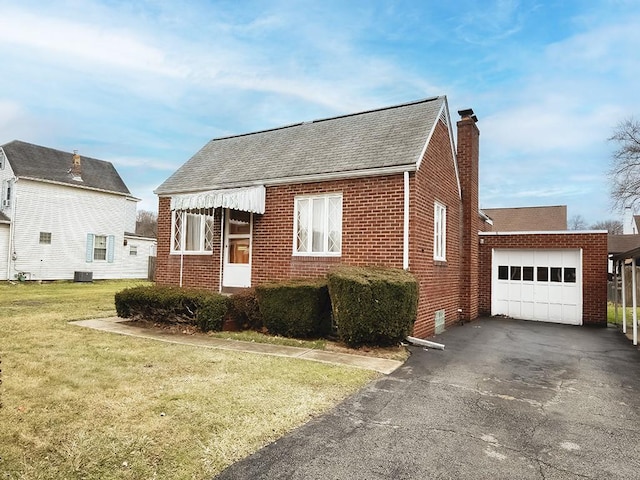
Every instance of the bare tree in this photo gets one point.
(624, 173)
(577, 222)
(147, 223)
(614, 227)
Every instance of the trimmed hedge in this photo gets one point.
(373, 305)
(173, 305)
(297, 308)
(244, 310)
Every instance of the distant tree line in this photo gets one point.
(147, 223)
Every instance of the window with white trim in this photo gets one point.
(133, 250)
(192, 231)
(439, 232)
(318, 225)
(100, 248)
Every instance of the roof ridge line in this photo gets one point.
(346, 115)
(84, 157)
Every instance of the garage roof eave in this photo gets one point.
(629, 254)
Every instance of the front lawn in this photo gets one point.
(79, 403)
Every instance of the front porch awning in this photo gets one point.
(248, 199)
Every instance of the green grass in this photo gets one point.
(611, 314)
(79, 403)
(257, 337)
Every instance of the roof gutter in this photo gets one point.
(322, 177)
(84, 187)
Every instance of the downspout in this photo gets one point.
(12, 230)
(634, 300)
(624, 299)
(222, 215)
(405, 239)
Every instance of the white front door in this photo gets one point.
(237, 249)
(544, 285)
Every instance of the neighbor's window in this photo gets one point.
(100, 247)
(45, 238)
(439, 232)
(318, 225)
(192, 232)
(133, 250)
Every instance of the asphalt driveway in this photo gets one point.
(506, 399)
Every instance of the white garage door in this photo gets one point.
(543, 285)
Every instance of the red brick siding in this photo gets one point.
(439, 281)
(201, 271)
(372, 216)
(468, 155)
(594, 267)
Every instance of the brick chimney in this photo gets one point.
(468, 163)
(76, 167)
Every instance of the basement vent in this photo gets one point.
(439, 321)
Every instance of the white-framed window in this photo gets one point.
(133, 250)
(439, 232)
(317, 226)
(192, 232)
(45, 238)
(100, 248)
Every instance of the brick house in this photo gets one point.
(380, 187)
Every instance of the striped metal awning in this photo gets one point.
(247, 199)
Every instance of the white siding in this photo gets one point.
(4, 250)
(135, 266)
(69, 214)
(130, 212)
(6, 173)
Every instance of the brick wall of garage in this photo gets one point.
(594, 266)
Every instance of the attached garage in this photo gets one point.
(555, 276)
(538, 284)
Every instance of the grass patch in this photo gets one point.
(257, 337)
(79, 403)
(611, 318)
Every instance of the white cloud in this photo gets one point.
(76, 41)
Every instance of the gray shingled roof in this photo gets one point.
(388, 137)
(43, 163)
(622, 243)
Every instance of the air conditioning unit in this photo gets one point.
(6, 203)
(83, 276)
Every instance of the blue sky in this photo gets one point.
(146, 84)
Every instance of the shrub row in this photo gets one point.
(298, 308)
(173, 305)
(373, 306)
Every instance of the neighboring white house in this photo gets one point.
(65, 217)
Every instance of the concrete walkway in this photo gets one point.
(116, 325)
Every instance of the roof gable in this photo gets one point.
(386, 138)
(47, 164)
